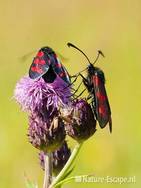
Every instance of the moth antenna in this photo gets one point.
(73, 46)
(99, 53)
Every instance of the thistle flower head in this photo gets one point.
(80, 123)
(41, 97)
(45, 135)
(60, 157)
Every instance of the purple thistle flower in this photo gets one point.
(80, 123)
(46, 135)
(41, 97)
(60, 157)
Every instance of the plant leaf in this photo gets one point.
(66, 180)
(30, 184)
(68, 173)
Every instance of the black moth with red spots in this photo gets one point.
(47, 65)
(95, 84)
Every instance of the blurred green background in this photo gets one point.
(112, 26)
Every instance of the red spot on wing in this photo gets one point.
(62, 74)
(102, 110)
(100, 96)
(96, 80)
(42, 62)
(37, 61)
(58, 65)
(40, 54)
(37, 69)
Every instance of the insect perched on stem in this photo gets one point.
(95, 84)
(46, 64)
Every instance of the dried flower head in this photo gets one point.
(80, 123)
(46, 135)
(60, 157)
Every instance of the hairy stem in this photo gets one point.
(48, 170)
(67, 166)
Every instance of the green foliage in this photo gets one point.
(30, 184)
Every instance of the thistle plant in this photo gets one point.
(53, 114)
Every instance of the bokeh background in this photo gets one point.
(112, 26)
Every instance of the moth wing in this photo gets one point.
(39, 66)
(61, 70)
(102, 107)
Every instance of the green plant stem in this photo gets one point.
(48, 170)
(68, 165)
(64, 181)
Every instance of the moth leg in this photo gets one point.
(73, 95)
(77, 88)
(89, 97)
(80, 94)
(85, 81)
(76, 77)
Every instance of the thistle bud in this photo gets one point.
(79, 120)
(46, 135)
(60, 157)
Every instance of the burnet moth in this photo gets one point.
(47, 65)
(95, 84)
